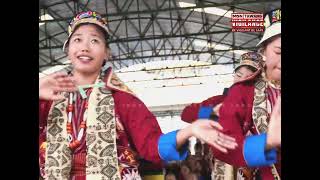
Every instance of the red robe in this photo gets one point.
(236, 120)
(138, 122)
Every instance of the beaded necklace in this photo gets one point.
(74, 143)
(275, 84)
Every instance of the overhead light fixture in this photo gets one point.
(240, 52)
(211, 45)
(44, 18)
(209, 10)
(218, 46)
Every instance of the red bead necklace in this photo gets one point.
(74, 143)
